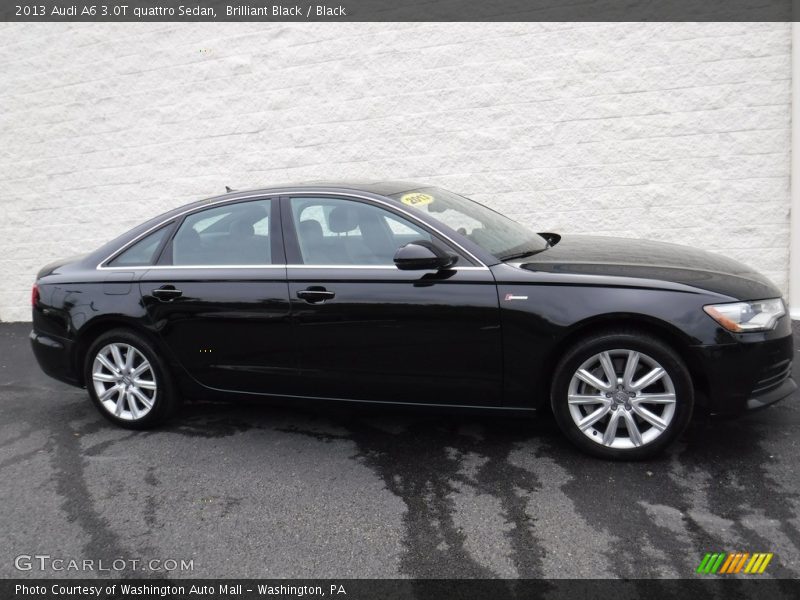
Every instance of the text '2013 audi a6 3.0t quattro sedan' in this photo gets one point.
(402, 293)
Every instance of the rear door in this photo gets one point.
(219, 298)
(368, 331)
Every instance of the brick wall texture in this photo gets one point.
(672, 131)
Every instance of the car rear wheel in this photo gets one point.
(622, 395)
(127, 381)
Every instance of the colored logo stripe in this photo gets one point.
(711, 562)
(758, 563)
(729, 562)
(723, 562)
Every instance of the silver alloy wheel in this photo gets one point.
(124, 381)
(621, 399)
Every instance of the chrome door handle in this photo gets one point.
(315, 295)
(167, 292)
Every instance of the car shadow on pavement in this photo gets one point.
(702, 493)
(464, 494)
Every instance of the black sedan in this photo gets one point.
(406, 294)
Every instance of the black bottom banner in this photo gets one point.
(401, 589)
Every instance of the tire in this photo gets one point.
(135, 395)
(658, 408)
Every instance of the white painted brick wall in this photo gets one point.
(677, 132)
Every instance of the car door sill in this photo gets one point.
(380, 402)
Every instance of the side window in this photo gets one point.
(143, 252)
(233, 234)
(334, 231)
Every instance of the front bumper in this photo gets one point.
(750, 374)
(764, 399)
(54, 355)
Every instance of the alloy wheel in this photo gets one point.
(124, 381)
(621, 399)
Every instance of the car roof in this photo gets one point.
(379, 188)
(382, 188)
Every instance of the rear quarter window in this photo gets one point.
(142, 253)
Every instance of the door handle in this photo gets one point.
(315, 295)
(167, 292)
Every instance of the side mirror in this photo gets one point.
(423, 255)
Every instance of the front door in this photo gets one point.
(219, 298)
(368, 331)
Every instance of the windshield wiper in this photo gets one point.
(525, 254)
(550, 240)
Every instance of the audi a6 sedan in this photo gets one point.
(401, 293)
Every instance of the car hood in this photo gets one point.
(643, 259)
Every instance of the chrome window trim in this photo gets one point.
(389, 267)
(188, 267)
(101, 265)
(338, 267)
(264, 196)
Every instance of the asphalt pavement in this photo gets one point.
(255, 490)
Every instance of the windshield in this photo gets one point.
(490, 230)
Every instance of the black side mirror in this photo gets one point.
(423, 255)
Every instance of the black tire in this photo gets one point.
(618, 343)
(166, 399)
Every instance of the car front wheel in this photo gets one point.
(622, 395)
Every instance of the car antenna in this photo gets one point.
(228, 190)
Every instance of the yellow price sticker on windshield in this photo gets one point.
(416, 199)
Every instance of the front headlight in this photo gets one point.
(758, 315)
